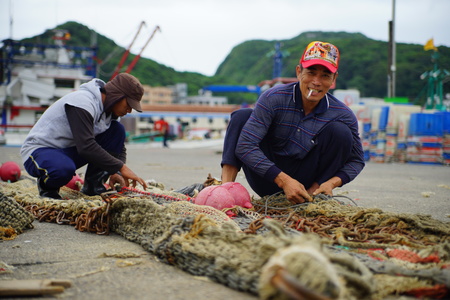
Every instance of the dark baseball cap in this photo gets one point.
(129, 86)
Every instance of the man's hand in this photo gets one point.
(116, 179)
(294, 190)
(128, 175)
(328, 186)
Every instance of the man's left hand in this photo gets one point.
(328, 186)
(325, 188)
(116, 179)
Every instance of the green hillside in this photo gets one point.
(109, 54)
(364, 63)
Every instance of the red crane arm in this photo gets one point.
(137, 57)
(127, 52)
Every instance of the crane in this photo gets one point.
(136, 58)
(127, 52)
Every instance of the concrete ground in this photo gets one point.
(51, 251)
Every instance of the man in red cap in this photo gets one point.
(298, 139)
(83, 128)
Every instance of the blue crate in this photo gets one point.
(401, 146)
(421, 124)
(383, 118)
(446, 121)
(366, 155)
(431, 145)
(367, 127)
(424, 162)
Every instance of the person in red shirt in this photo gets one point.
(163, 127)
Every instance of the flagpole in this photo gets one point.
(10, 20)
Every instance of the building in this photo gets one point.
(185, 114)
(157, 95)
(205, 98)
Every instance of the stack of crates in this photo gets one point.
(396, 131)
(389, 132)
(391, 154)
(425, 139)
(446, 139)
(378, 134)
(362, 113)
(403, 133)
(391, 128)
(366, 141)
(402, 137)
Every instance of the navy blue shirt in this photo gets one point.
(278, 117)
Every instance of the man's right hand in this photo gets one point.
(128, 175)
(294, 190)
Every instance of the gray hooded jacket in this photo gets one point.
(53, 130)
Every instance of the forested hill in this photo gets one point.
(363, 65)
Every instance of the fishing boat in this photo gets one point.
(35, 75)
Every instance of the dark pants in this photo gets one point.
(165, 138)
(332, 150)
(56, 167)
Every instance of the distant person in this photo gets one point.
(82, 128)
(162, 126)
(298, 139)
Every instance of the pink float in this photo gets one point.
(73, 183)
(223, 196)
(215, 196)
(240, 194)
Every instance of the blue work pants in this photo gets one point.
(56, 167)
(332, 150)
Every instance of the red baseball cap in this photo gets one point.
(321, 53)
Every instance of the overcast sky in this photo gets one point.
(197, 35)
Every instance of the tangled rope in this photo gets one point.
(273, 251)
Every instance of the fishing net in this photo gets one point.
(13, 218)
(327, 249)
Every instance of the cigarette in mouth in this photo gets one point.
(309, 94)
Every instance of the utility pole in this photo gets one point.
(392, 55)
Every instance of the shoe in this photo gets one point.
(49, 193)
(94, 181)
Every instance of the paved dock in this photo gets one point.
(51, 251)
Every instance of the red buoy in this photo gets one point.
(10, 171)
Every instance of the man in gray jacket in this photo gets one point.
(82, 128)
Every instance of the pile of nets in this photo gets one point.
(327, 249)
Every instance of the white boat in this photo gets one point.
(33, 76)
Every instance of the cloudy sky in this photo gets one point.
(197, 35)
